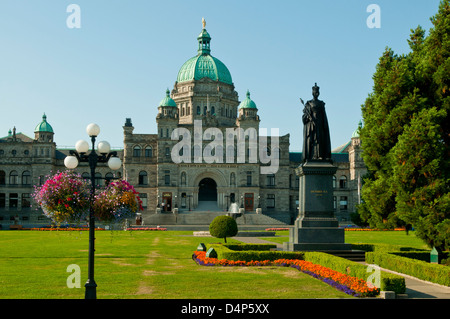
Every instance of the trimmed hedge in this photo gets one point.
(388, 281)
(384, 247)
(439, 274)
(255, 252)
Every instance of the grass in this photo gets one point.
(367, 237)
(139, 264)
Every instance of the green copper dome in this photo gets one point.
(247, 103)
(44, 126)
(204, 64)
(356, 132)
(167, 101)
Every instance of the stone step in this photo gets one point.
(206, 217)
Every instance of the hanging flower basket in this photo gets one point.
(64, 197)
(117, 202)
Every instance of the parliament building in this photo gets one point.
(187, 188)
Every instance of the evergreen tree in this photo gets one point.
(406, 134)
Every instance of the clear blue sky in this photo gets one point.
(126, 53)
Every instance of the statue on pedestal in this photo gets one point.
(316, 133)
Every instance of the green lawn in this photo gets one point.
(139, 264)
(368, 237)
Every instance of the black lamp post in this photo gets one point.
(93, 159)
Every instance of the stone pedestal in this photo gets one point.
(316, 228)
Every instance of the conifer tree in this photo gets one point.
(406, 135)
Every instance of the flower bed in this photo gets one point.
(62, 228)
(371, 229)
(146, 228)
(350, 285)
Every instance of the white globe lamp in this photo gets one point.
(71, 162)
(103, 147)
(93, 130)
(82, 146)
(114, 163)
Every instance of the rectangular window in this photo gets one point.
(148, 152)
(334, 202)
(249, 178)
(26, 203)
(271, 180)
(2, 200)
(343, 203)
(143, 197)
(13, 200)
(270, 201)
(167, 151)
(167, 177)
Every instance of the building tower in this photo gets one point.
(357, 166)
(43, 131)
(204, 87)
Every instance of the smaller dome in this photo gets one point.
(356, 132)
(247, 103)
(43, 126)
(167, 101)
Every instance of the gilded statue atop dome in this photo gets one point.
(204, 22)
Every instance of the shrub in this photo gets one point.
(223, 227)
(439, 274)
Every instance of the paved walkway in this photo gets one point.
(415, 288)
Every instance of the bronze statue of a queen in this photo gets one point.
(316, 133)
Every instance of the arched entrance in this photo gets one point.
(207, 190)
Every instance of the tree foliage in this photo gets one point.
(223, 226)
(406, 136)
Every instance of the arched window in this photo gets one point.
(137, 151)
(98, 179)
(143, 178)
(26, 178)
(198, 110)
(343, 182)
(334, 182)
(13, 178)
(149, 151)
(86, 175)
